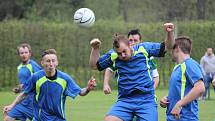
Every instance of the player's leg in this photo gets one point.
(8, 118)
(112, 118)
(15, 114)
(146, 110)
(213, 82)
(207, 84)
(21, 112)
(120, 111)
(148, 114)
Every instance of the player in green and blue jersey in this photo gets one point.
(135, 84)
(185, 85)
(51, 87)
(25, 69)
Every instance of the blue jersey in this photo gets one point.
(50, 94)
(182, 80)
(134, 74)
(24, 73)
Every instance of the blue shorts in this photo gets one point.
(21, 112)
(143, 106)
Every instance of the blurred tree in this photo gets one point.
(77, 3)
(10, 9)
(123, 8)
(200, 5)
(179, 9)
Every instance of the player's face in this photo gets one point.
(124, 51)
(49, 63)
(24, 54)
(134, 39)
(175, 54)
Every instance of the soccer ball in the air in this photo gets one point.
(84, 17)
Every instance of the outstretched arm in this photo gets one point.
(90, 86)
(170, 41)
(94, 55)
(107, 77)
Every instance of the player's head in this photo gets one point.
(122, 47)
(209, 51)
(49, 60)
(24, 51)
(134, 36)
(182, 45)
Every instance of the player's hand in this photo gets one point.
(91, 84)
(7, 109)
(169, 27)
(213, 82)
(176, 110)
(106, 89)
(17, 90)
(164, 102)
(95, 43)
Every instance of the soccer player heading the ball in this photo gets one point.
(135, 84)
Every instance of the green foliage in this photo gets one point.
(126, 10)
(72, 44)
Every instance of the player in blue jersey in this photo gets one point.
(185, 85)
(51, 87)
(25, 69)
(135, 84)
(134, 37)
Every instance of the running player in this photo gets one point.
(51, 87)
(25, 69)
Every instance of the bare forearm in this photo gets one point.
(19, 98)
(156, 82)
(197, 91)
(94, 56)
(107, 77)
(170, 41)
(84, 92)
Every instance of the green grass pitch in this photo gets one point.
(94, 106)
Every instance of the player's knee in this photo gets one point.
(8, 118)
(112, 118)
(107, 118)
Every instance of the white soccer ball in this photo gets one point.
(84, 17)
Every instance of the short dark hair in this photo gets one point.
(49, 51)
(134, 32)
(184, 43)
(119, 38)
(23, 45)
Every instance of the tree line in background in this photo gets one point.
(124, 10)
(72, 45)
